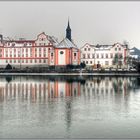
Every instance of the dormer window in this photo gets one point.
(25, 44)
(13, 44)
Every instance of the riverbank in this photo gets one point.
(93, 74)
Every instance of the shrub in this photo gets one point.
(8, 67)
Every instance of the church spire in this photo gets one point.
(68, 31)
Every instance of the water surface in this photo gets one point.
(69, 107)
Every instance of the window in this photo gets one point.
(88, 49)
(86, 62)
(119, 49)
(51, 54)
(90, 62)
(61, 52)
(26, 60)
(120, 55)
(97, 55)
(39, 60)
(106, 63)
(44, 61)
(93, 55)
(30, 60)
(85, 49)
(115, 49)
(106, 55)
(25, 44)
(13, 44)
(88, 55)
(102, 55)
(83, 55)
(14, 61)
(74, 54)
(6, 61)
(111, 55)
(35, 61)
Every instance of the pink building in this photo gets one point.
(44, 51)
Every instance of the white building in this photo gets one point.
(104, 55)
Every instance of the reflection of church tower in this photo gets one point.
(68, 32)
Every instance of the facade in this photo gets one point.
(26, 53)
(104, 55)
(44, 51)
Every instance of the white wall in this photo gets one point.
(61, 57)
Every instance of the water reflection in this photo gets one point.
(42, 88)
(49, 102)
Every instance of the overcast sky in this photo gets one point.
(91, 22)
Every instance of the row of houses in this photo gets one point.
(45, 51)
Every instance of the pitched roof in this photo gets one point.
(135, 51)
(66, 43)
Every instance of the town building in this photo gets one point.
(135, 53)
(105, 56)
(44, 51)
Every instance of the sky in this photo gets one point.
(104, 22)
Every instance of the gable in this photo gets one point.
(42, 40)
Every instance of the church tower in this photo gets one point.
(68, 32)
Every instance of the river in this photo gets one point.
(69, 107)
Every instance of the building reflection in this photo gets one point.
(22, 88)
(58, 93)
(34, 90)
